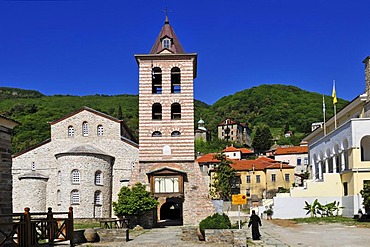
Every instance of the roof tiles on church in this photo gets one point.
(167, 31)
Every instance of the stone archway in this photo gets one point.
(171, 210)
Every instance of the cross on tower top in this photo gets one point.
(167, 11)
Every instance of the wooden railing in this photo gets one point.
(34, 229)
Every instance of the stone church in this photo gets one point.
(91, 155)
(88, 158)
(166, 131)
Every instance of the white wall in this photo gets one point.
(290, 208)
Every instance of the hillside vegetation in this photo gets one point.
(279, 106)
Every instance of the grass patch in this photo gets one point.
(337, 219)
(80, 226)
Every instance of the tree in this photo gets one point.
(365, 193)
(262, 139)
(134, 201)
(224, 174)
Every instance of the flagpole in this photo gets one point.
(324, 112)
(334, 96)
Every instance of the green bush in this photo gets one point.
(216, 221)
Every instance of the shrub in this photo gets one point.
(134, 201)
(216, 221)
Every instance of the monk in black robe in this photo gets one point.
(255, 222)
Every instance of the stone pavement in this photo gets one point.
(304, 235)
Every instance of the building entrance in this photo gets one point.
(171, 209)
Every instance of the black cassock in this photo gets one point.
(255, 222)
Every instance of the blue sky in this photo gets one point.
(87, 47)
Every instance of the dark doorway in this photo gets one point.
(171, 212)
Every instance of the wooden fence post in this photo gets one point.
(50, 226)
(26, 236)
(70, 232)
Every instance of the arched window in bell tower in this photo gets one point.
(175, 111)
(156, 80)
(156, 111)
(175, 80)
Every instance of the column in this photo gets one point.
(327, 165)
(334, 157)
(314, 164)
(342, 160)
(320, 169)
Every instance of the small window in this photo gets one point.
(248, 179)
(156, 80)
(85, 129)
(273, 177)
(166, 43)
(175, 80)
(71, 131)
(345, 188)
(59, 197)
(299, 161)
(157, 111)
(287, 177)
(98, 178)
(97, 198)
(258, 178)
(75, 177)
(175, 133)
(248, 192)
(75, 197)
(175, 111)
(100, 130)
(156, 134)
(306, 161)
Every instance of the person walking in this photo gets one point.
(255, 222)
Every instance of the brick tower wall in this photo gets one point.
(5, 173)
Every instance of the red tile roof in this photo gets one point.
(208, 158)
(246, 151)
(234, 149)
(292, 150)
(230, 149)
(260, 163)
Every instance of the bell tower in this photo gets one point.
(166, 130)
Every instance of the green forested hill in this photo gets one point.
(276, 105)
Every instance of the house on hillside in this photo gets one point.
(339, 157)
(238, 153)
(84, 164)
(296, 156)
(234, 131)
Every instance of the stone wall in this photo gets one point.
(235, 237)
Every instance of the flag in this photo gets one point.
(323, 104)
(334, 94)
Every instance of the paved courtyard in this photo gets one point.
(272, 235)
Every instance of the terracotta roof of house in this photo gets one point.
(208, 158)
(292, 150)
(259, 164)
(234, 149)
(167, 31)
(230, 149)
(246, 151)
(229, 121)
